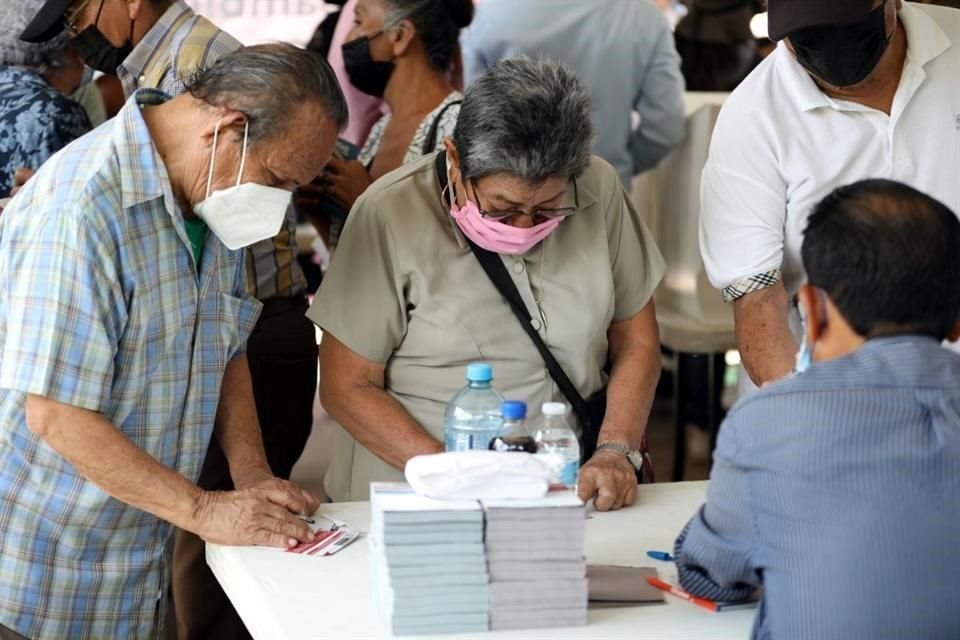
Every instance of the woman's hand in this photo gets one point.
(610, 478)
(345, 181)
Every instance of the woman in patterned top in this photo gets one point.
(403, 51)
(37, 118)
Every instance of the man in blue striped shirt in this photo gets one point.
(837, 489)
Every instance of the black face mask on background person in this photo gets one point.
(98, 52)
(843, 55)
(366, 74)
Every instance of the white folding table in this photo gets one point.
(285, 596)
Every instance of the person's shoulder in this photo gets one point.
(200, 30)
(601, 179)
(199, 43)
(408, 191)
(757, 113)
(759, 92)
(74, 188)
(753, 415)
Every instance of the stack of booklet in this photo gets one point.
(535, 554)
(428, 562)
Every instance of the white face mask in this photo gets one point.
(244, 213)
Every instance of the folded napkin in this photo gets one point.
(482, 475)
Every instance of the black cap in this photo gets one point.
(47, 23)
(788, 16)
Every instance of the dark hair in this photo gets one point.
(438, 24)
(888, 256)
(526, 118)
(266, 82)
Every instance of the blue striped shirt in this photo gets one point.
(103, 307)
(838, 490)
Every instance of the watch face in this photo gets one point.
(636, 459)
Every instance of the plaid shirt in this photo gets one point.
(103, 307)
(179, 44)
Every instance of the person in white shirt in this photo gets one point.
(856, 89)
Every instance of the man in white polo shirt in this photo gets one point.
(856, 89)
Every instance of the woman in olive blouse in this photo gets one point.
(406, 305)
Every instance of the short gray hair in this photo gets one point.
(15, 15)
(526, 118)
(267, 82)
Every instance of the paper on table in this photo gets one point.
(611, 585)
(332, 535)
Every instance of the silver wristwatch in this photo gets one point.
(633, 456)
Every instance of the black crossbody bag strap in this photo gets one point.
(430, 142)
(497, 272)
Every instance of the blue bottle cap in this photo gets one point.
(479, 372)
(514, 410)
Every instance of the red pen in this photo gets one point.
(680, 593)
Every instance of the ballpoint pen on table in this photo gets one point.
(710, 605)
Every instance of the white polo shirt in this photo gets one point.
(781, 145)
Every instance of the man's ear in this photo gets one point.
(226, 120)
(954, 334)
(813, 311)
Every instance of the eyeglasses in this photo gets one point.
(71, 15)
(537, 214)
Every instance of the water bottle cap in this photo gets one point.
(479, 372)
(513, 410)
(554, 409)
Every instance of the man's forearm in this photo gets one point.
(635, 355)
(379, 423)
(237, 427)
(102, 454)
(767, 347)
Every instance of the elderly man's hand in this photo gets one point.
(264, 513)
(346, 180)
(611, 478)
(20, 178)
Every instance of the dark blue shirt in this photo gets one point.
(838, 490)
(36, 121)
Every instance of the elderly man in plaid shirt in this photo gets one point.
(122, 331)
(160, 44)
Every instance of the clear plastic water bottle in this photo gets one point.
(513, 434)
(555, 437)
(472, 418)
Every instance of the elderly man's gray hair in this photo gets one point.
(526, 118)
(267, 82)
(15, 15)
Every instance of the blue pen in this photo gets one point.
(662, 556)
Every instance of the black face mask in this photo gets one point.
(843, 55)
(366, 74)
(98, 52)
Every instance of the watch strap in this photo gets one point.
(633, 456)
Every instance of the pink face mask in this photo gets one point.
(497, 236)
